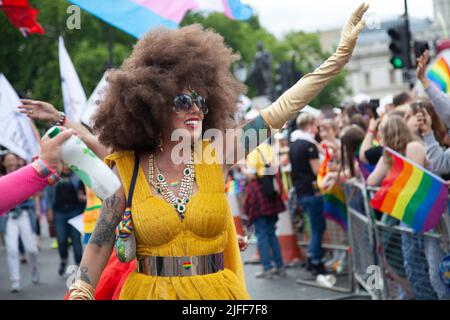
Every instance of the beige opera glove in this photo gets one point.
(308, 87)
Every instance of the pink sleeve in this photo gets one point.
(18, 186)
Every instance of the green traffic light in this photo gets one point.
(397, 62)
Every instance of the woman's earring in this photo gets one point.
(160, 144)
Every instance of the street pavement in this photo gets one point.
(53, 287)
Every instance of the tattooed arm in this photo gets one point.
(240, 141)
(102, 240)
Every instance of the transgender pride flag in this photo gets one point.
(136, 17)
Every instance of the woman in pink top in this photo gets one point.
(23, 183)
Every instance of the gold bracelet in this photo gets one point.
(77, 294)
(81, 289)
(82, 292)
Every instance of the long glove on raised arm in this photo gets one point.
(308, 87)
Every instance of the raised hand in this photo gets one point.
(353, 27)
(39, 110)
(373, 124)
(421, 66)
(424, 121)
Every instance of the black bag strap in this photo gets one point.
(133, 181)
(266, 164)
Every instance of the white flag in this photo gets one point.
(77, 223)
(73, 92)
(16, 130)
(96, 96)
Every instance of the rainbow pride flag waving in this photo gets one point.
(412, 194)
(439, 71)
(234, 186)
(334, 206)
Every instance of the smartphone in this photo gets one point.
(417, 107)
(374, 104)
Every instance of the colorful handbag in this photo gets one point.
(125, 238)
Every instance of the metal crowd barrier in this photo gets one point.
(385, 259)
(411, 261)
(337, 243)
(391, 261)
(362, 237)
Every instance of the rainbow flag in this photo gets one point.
(439, 71)
(412, 194)
(233, 186)
(334, 206)
(136, 17)
(365, 168)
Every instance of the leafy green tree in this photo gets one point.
(31, 64)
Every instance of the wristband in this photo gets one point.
(62, 119)
(373, 132)
(45, 171)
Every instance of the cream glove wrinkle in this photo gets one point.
(307, 88)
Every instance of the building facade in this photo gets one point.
(441, 10)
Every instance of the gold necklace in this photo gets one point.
(186, 185)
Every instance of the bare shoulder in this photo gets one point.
(415, 147)
(416, 152)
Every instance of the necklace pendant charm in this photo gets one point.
(181, 208)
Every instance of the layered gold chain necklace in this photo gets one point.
(160, 183)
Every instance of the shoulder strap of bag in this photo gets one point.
(133, 181)
(263, 158)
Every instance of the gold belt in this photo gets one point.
(180, 266)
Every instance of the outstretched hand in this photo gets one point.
(51, 148)
(421, 66)
(354, 26)
(39, 110)
(242, 242)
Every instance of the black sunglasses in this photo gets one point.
(184, 102)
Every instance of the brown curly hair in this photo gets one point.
(140, 94)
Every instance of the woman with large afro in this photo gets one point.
(172, 212)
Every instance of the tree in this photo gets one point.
(31, 64)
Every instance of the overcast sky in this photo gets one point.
(281, 16)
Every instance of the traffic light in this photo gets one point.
(399, 46)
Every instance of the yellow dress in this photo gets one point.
(207, 228)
